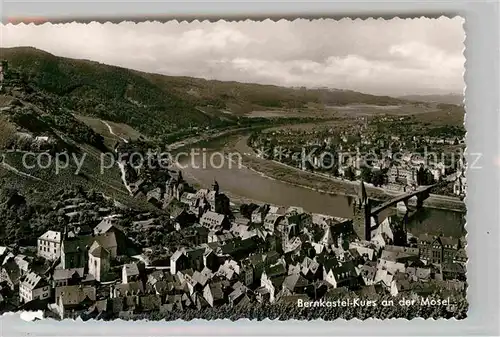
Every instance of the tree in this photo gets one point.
(7, 133)
(378, 178)
(366, 174)
(335, 170)
(247, 209)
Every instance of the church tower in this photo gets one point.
(362, 215)
(215, 187)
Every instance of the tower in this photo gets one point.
(368, 220)
(215, 187)
(362, 195)
(363, 216)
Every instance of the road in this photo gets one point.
(112, 131)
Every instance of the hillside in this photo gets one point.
(107, 92)
(444, 99)
(157, 104)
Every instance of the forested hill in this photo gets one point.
(158, 104)
(107, 92)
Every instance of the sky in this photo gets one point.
(383, 57)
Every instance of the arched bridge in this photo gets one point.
(421, 193)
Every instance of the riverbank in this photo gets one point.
(282, 123)
(236, 142)
(325, 184)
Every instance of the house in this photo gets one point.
(214, 221)
(364, 248)
(130, 272)
(178, 261)
(272, 278)
(33, 287)
(128, 289)
(460, 185)
(175, 302)
(418, 274)
(197, 235)
(437, 249)
(310, 269)
(213, 294)
(400, 285)
(10, 273)
(238, 249)
(201, 278)
(295, 283)
(49, 245)
(450, 247)
(384, 278)
(238, 296)
(229, 270)
(401, 257)
(246, 273)
(460, 256)
(259, 214)
(368, 272)
(73, 298)
(402, 249)
(271, 220)
(99, 261)
(182, 217)
(391, 266)
(453, 271)
(430, 248)
(197, 257)
(108, 226)
(74, 251)
(221, 237)
(22, 263)
(154, 197)
(267, 289)
(344, 274)
(279, 210)
(190, 199)
(64, 277)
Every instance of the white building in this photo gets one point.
(49, 245)
(212, 220)
(130, 272)
(98, 261)
(33, 287)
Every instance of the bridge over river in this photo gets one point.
(242, 184)
(371, 214)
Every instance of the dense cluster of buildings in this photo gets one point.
(274, 254)
(351, 150)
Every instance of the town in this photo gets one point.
(386, 151)
(347, 200)
(225, 256)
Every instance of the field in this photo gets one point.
(120, 130)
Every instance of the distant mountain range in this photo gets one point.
(456, 99)
(86, 107)
(156, 104)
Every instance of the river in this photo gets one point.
(244, 183)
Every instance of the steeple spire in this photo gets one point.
(362, 195)
(215, 186)
(327, 237)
